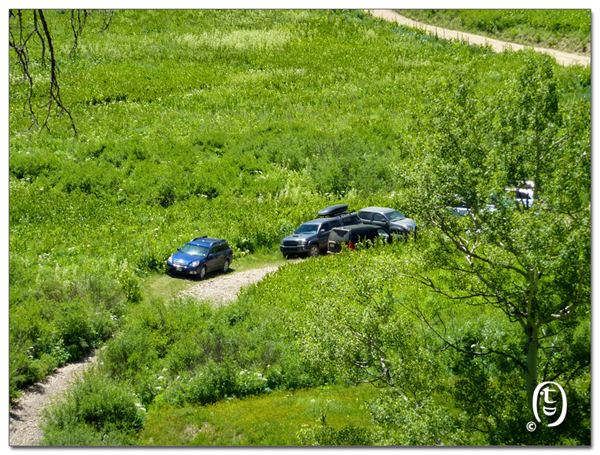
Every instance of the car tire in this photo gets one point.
(314, 251)
(202, 273)
(226, 266)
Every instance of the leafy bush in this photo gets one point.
(99, 409)
(322, 434)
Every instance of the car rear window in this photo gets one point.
(219, 248)
(365, 215)
(339, 235)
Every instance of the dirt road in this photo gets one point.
(563, 58)
(223, 288)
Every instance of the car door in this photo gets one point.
(212, 262)
(323, 235)
(221, 253)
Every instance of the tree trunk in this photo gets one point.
(532, 357)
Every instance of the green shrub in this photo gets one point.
(325, 436)
(98, 402)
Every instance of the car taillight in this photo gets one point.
(351, 245)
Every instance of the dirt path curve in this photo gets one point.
(563, 58)
(25, 416)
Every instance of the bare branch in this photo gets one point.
(77, 25)
(54, 86)
(108, 15)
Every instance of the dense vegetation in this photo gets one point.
(567, 30)
(242, 124)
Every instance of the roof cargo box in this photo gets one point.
(333, 210)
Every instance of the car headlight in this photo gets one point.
(170, 260)
(302, 241)
(194, 264)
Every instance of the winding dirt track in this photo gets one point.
(25, 417)
(562, 58)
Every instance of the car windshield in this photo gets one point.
(307, 229)
(195, 250)
(396, 216)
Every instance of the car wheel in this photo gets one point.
(226, 266)
(202, 273)
(314, 251)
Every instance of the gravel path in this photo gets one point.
(224, 287)
(563, 58)
(25, 416)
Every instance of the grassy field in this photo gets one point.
(566, 30)
(275, 419)
(242, 125)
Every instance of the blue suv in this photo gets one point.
(200, 256)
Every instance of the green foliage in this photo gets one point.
(405, 423)
(324, 435)
(59, 318)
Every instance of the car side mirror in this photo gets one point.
(178, 249)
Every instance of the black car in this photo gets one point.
(200, 256)
(354, 234)
(311, 237)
